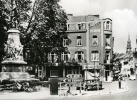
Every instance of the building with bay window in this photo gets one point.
(92, 44)
(91, 47)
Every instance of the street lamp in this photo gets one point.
(94, 70)
(86, 68)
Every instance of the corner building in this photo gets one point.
(91, 44)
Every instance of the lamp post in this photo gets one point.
(86, 68)
(94, 69)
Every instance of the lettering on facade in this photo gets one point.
(90, 67)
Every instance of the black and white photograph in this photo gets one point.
(68, 49)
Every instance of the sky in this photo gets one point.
(122, 12)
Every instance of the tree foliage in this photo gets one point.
(42, 24)
(47, 28)
(22, 7)
(3, 26)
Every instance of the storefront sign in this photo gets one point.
(90, 67)
(74, 79)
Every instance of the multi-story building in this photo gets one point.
(91, 46)
(92, 43)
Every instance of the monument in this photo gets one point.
(13, 60)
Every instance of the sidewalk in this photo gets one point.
(108, 88)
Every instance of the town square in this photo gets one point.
(68, 49)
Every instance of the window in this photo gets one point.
(54, 73)
(94, 40)
(79, 26)
(107, 40)
(107, 57)
(79, 41)
(52, 57)
(83, 26)
(27, 54)
(68, 26)
(65, 56)
(108, 25)
(79, 56)
(94, 56)
(65, 40)
(74, 71)
(69, 72)
(72, 27)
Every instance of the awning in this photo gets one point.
(90, 76)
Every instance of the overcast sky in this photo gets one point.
(122, 12)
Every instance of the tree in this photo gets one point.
(10, 9)
(3, 26)
(42, 24)
(47, 28)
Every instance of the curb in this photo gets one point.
(126, 90)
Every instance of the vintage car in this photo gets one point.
(18, 81)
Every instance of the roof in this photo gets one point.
(82, 18)
(124, 56)
(118, 56)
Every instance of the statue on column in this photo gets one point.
(13, 15)
(13, 47)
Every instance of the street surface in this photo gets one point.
(42, 95)
(129, 95)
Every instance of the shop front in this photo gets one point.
(93, 69)
(62, 71)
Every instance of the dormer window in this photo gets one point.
(79, 41)
(79, 26)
